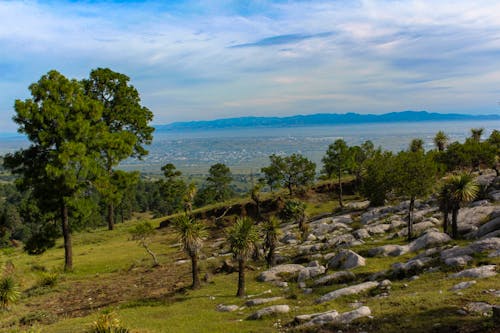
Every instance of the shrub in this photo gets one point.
(107, 323)
(48, 279)
(9, 292)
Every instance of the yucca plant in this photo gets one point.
(241, 238)
(9, 292)
(461, 188)
(271, 231)
(191, 233)
(107, 323)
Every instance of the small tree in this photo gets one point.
(290, 171)
(444, 199)
(338, 159)
(271, 231)
(142, 233)
(173, 189)
(460, 189)
(218, 180)
(9, 292)
(241, 238)
(191, 233)
(476, 134)
(416, 145)
(441, 140)
(414, 176)
(378, 178)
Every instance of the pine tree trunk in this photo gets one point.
(410, 218)
(111, 216)
(241, 278)
(454, 223)
(341, 204)
(194, 271)
(68, 249)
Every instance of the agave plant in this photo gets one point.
(107, 323)
(9, 292)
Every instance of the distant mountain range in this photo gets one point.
(324, 119)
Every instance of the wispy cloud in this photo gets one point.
(208, 59)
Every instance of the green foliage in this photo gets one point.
(48, 279)
(293, 211)
(416, 145)
(142, 233)
(191, 233)
(9, 292)
(173, 190)
(271, 231)
(107, 323)
(41, 239)
(290, 172)
(217, 185)
(338, 159)
(242, 236)
(441, 141)
(377, 179)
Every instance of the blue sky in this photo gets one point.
(193, 60)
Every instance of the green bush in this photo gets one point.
(107, 323)
(9, 292)
(48, 279)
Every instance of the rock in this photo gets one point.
(412, 267)
(227, 308)
(289, 238)
(494, 195)
(358, 205)
(494, 254)
(478, 272)
(342, 219)
(469, 218)
(347, 317)
(356, 289)
(342, 240)
(259, 301)
(455, 252)
(378, 229)
(346, 259)
(323, 318)
(280, 284)
(397, 223)
(463, 285)
(269, 311)
(311, 238)
(461, 261)
(478, 307)
(422, 227)
(479, 203)
(310, 272)
(388, 250)
(429, 240)
(337, 277)
(306, 317)
(272, 274)
(361, 233)
(486, 244)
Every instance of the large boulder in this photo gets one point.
(332, 317)
(485, 245)
(478, 272)
(388, 250)
(341, 241)
(346, 259)
(411, 267)
(269, 311)
(337, 277)
(273, 273)
(430, 239)
(470, 218)
(486, 228)
(378, 229)
(352, 290)
(313, 270)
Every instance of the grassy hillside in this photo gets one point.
(113, 273)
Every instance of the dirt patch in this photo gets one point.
(80, 298)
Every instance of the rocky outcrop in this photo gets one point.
(333, 317)
(430, 239)
(269, 311)
(463, 285)
(273, 273)
(227, 308)
(477, 273)
(337, 277)
(388, 250)
(352, 290)
(259, 301)
(346, 259)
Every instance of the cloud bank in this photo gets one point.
(194, 60)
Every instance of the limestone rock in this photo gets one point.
(310, 272)
(478, 272)
(272, 274)
(478, 307)
(411, 267)
(361, 233)
(259, 301)
(334, 317)
(463, 285)
(486, 244)
(469, 218)
(337, 277)
(227, 308)
(430, 239)
(307, 317)
(388, 250)
(351, 290)
(346, 259)
(378, 229)
(269, 311)
(461, 261)
(347, 317)
(358, 205)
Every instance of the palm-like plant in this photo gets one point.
(191, 233)
(460, 189)
(441, 140)
(476, 134)
(9, 292)
(241, 238)
(416, 145)
(444, 200)
(271, 232)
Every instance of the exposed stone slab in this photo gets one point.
(478, 272)
(346, 259)
(356, 289)
(273, 273)
(337, 277)
(259, 301)
(269, 311)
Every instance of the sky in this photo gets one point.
(198, 60)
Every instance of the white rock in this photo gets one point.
(272, 274)
(259, 301)
(337, 277)
(346, 259)
(269, 311)
(478, 272)
(356, 289)
(463, 285)
(227, 308)
(461, 261)
(430, 239)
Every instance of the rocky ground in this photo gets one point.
(322, 264)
